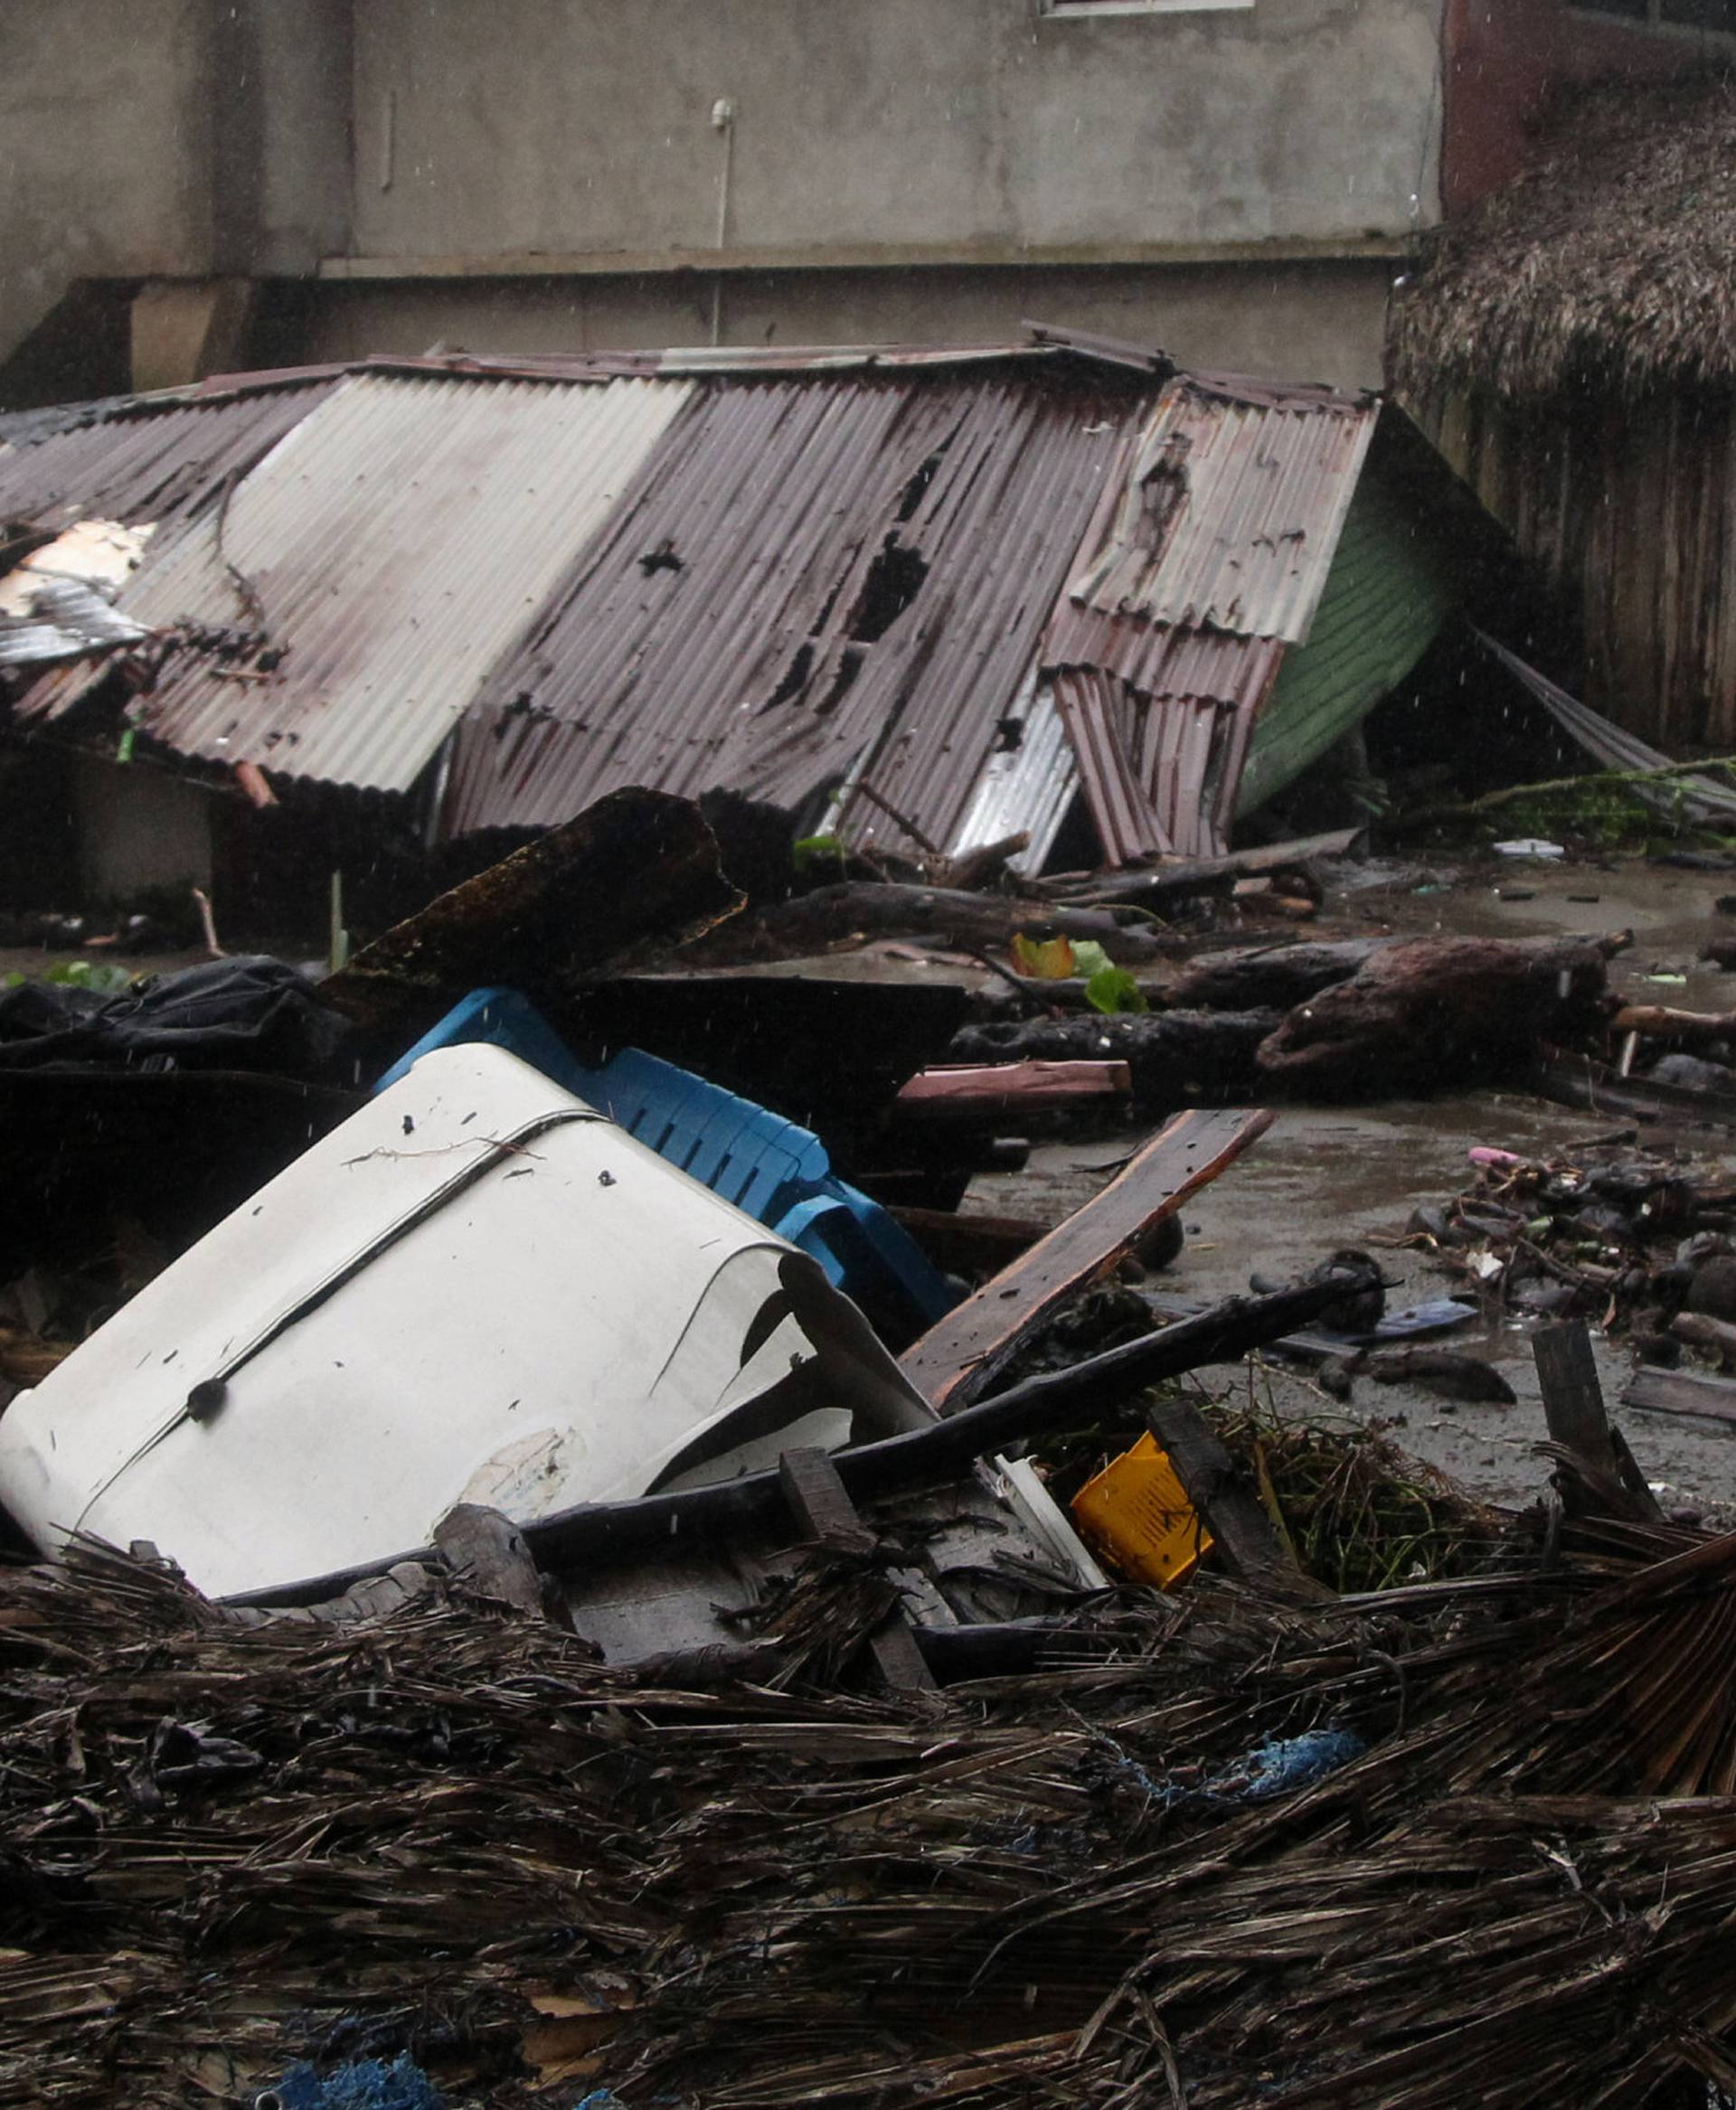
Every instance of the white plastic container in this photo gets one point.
(477, 1289)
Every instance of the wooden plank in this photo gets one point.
(487, 1553)
(1226, 1497)
(964, 1092)
(1676, 1392)
(1572, 1395)
(963, 1243)
(822, 1506)
(956, 1361)
(1578, 1420)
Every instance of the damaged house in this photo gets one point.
(926, 599)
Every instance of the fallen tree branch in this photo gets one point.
(1515, 794)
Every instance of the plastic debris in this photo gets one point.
(1288, 1763)
(362, 2084)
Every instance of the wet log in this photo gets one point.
(1434, 1012)
(1174, 1058)
(829, 916)
(1160, 883)
(1271, 977)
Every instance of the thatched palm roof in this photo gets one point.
(1611, 263)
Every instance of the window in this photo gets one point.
(1677, 14)
(1077, 9)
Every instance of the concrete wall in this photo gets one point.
(580, 126)
(105, 147)
(1232, 182)
(1308, 322)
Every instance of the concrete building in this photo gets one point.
(216, 183)
(194, 185)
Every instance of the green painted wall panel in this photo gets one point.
(1386, 597)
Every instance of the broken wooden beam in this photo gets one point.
(1582, 1082)
(1662, 1022)
(821, 1505)
(956, 1360)
(1677, 1391)
(982, 1091)
(1164, 882)
(1578, 1422)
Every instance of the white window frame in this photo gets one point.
(1093, 10)
(1654, 24)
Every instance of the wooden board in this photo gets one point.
(954, 1363)
(968, 1090)
(1676, 1392)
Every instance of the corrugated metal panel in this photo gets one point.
(1025, 789)
(1387, 597)
(399, 541)
(1213, 562)
(1160, 772)
(1232, 510)
(148, 464)
(807, 572)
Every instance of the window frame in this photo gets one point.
(1102, 10)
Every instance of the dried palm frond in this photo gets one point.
(223, 1849)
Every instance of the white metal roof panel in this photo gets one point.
(380, 560)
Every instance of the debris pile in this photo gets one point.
(1214, 1845)
(1630, 1238)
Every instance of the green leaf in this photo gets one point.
(1114, 991)
(1090, 958)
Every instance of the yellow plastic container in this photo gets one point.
(1136, 1513)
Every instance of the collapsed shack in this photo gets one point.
(925, 602)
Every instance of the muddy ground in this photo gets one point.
(1331, 1176)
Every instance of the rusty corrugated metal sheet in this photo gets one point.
(782, 573)
(398, 542)
(1209, 567)
(148, 463)
(807, 572)
(1232, 510)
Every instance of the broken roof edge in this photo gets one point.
(1044, 344)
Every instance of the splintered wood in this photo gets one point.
(954, 1361)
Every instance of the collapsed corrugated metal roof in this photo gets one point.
(940, 587)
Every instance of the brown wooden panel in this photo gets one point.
(954, 1363)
